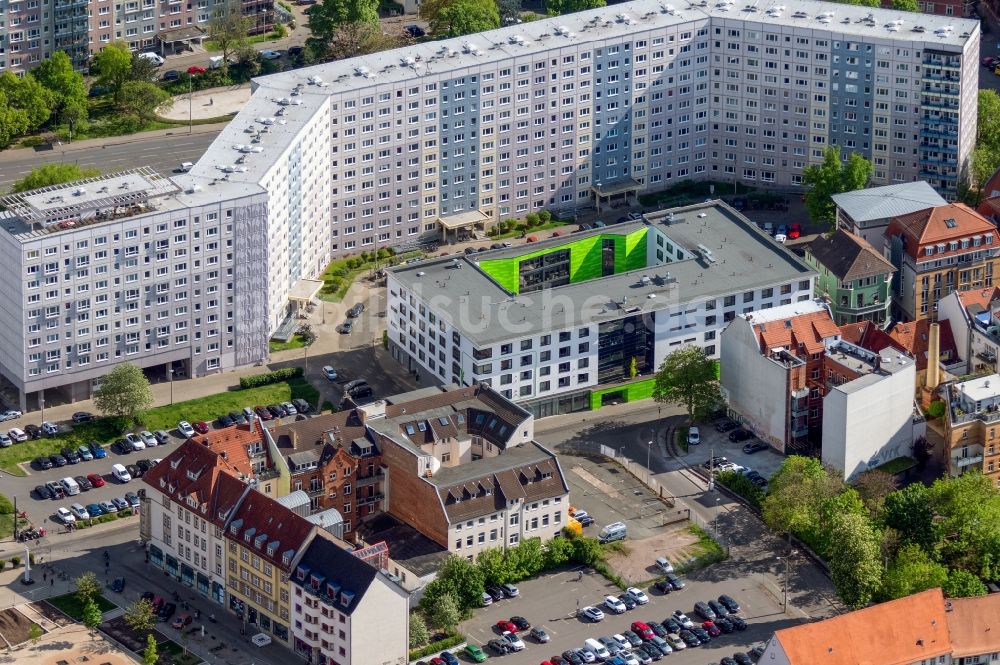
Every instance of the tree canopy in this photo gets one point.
(113, 66)
(140, 99)
(454, 18)
(833, 177)
(27, 94)
(688, 378)
(557, 7)
(906, 5)
(124, 393)
(149, 655)
(347, 40)
(13, 121)
(229, 29)
(52, 174)
(854, 559)
(69, 92)
(139, 615)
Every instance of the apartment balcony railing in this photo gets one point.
(366, 481)
(941, 176)
(862, 309)
(267, 474)
(942, 64)
(951, 78)
(941, 90)
(942, 147)
(948, 106)
(933, 132)
(962, 462)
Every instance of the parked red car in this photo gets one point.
(96, 480)
(642, 629)
(794, 231)
(711, 629)
(503, 626)
(201, 427)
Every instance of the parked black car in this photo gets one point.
(496, 593)
(43, 492)
(725, 425)
(122, 447)
(238, 417)
(301, 405)
(226, 421)
(740, 435)
(355, 311)
(277, 410)
(133, 470)
(84, 484)
(72, 456)
(43, 463)
(166, 611)
(360, 392)
(415, 31)
(32, 430)
(144, 465)
(58, 460)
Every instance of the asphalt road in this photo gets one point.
(163, 153)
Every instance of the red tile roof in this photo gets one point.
(940, 224)
(194, 472)
(972, 621)
(233, 443)
(868, 335)
(899, 632)
(981, 297)
(259, 515)
(808, 330)
(912, 336)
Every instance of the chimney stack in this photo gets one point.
(933, 357)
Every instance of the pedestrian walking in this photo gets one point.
(53, 580)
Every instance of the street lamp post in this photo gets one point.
(649, 449)
(170, 371)
(190, 107)
(715, 526)
(787, 560)
(41, 402)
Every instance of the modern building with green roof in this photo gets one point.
(574, 322)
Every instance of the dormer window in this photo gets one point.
(422, 426)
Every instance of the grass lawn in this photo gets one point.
(294, 343)
(69, 604)
(161, 417)
(898, 465)
(707, 551)
(335, 285)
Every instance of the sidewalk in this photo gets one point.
(210, 103)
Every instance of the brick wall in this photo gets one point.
(412, 499)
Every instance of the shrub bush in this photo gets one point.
(277, 376)
(532, 219)
(437, 647)
(545, 216)
(15, 561)
(739, 484)
(6, 507)
(936, 409)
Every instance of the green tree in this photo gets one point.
(874, 486)
(985, 162)
(458, 577)
(445, 613)
(229, 29)
(87, 587)
(26, 94)
(35, 633)
(688, 378)
(797, 492)
(988, 119)
(633, 368)
(139, 615)
(833, 177)
(149, 656)
(854, 559)
(587, 551)
(113, 66)
(91, 615)
(143, 69)
(349, 40)
(906, 5)
(327, 16)
(494, 565)
(527, 558)
(124, 394)
(963, 584)
(14, 122)
(141, 99)
(846, 502)
(557, 7)
(454, 18)
(913, 570)
(967, 523)
(509, 11)
(52, 174)
(67, 87)
(909, 512)
(419, 635)
(558, 551)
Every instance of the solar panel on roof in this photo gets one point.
(443, 420)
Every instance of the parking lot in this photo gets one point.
(551, 601)
(765, 462)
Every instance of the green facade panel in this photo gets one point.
(630, 392)
(584, 257)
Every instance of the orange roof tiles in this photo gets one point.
(981, 297)
(940, 225)
(192, 471)
(808, 330)
(971, 621)
(869, 336)
(913, 337)
(899, 632)
(232, 443)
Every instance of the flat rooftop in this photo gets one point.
(865, 362)
(407, 546)
(106, 198)
(283, 103)
(980, 389)
(469, 299)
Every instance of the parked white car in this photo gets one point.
(184, 427)
(50, 428)
(592, 613)
(638, 595)
(663, 565)
(614, 604)
(148, 438)
(79, 512)
(514, 640)
(17, 434)
(65, 516)
(134, 441)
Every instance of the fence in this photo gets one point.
(641, 473)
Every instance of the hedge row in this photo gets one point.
(277, 376)
(101, 519)
(437, 647)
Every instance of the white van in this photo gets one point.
(70, 486)
(613, 532)
(216, 62)
(154, 58)
(185, 167)
(599, 650)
